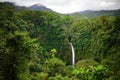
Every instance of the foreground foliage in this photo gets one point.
(91, 73)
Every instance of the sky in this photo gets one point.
(71, 6)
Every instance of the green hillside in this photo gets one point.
(92, 14)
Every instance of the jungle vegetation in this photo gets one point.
(34, 45)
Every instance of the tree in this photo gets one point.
(56, 66)
(16, 55)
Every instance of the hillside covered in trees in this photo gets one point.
(34, 45)
(92, 14)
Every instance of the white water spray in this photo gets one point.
(73, 55)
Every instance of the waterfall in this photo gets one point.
(73, 55)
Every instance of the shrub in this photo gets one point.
(56, 66)
(43, 76)
(58, 77)
(68, 70)
(86, 63)
(91, 73)
(39, 76)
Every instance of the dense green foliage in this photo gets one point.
(91, 73)
(34, 45)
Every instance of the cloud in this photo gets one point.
(69, 6)
(107, 3)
